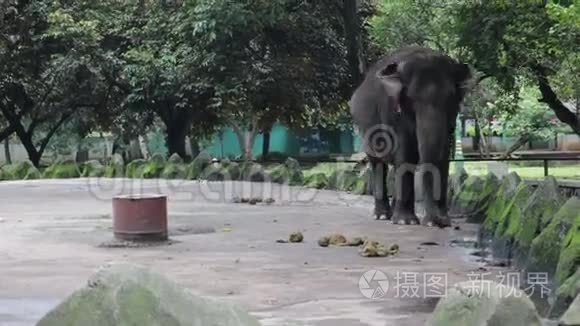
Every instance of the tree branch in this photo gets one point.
(51, 133)
(551, 99)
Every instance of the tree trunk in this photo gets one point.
(354, 46)
(246, 141)
(477, 137)
(176, 140)
(143, 141)
(82, 154)
(266, 145)
(195, 150)
(7, 151)
(519, 143)
(551, 99)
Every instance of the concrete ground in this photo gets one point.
(54, 234)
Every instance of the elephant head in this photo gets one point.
(431, 88)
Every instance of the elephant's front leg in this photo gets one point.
(404, 192)
(382, 207)
(434, 190)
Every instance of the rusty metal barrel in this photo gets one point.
(140, 217)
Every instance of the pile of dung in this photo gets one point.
(340, 241)
(376, 249)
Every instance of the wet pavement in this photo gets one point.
(55, 233)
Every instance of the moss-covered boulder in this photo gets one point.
(121, 294)
(465, 201)
(498, 204)
(510, 219)
(24, 170)
(546, 248)
(116, 167)
(485, 303)
(287, 173)
(363, 185)
(569, 259)
(93, 169)
(154, 167)
(539, 209)
(223, 171)
(565, 294)
(135, 169)
(62, 170)
(342, 180)
(317, 180)
(253, 172)
(572, 316)
(175, 159)
(198, 165)
(174, 171)
(456, 180)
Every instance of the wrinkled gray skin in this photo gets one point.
(405, 111)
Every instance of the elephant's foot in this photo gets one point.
(437, 221)
(383, 213)
(405, 218)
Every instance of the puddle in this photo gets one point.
(24, 311)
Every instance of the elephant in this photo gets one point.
(405, 111)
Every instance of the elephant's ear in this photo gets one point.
(391, 80)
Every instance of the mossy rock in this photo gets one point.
(174, 171)
(198, 165)
(214, 172)
(116, 167)
(317, 180)
(19, 171)
(342, 180)
(123, 294)
(509, 221)
(455, 182)
(93, 169)
(62, 170)
(135, 168)
(485, 304)
(284, 175)
(497, 205)
(572, 316)
(154, 167)
(175, 159)
(253, 172)
(570, 253)
(540, 208)
(565, 294)
(488, 193)
(546, 248)
(466, 200)
(363, 185)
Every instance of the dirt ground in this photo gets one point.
(52, 234)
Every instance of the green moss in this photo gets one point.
(252, 172)
(570, 254)
(497, 205)
(93, 169)
(154, 167)
(62, 170)
(342, 180)
(175, 159)
(198, 165)
(287, 174)
(17, 171)
(33, 174)
(565, 294)
(174, 171)
(539, 210)
(546, 248)
(455, 182)
(318, 181)
(115, 167)
(135, 169)
(508, 223)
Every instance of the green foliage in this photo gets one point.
(62, 170)
(93, 169)
(317, 181)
